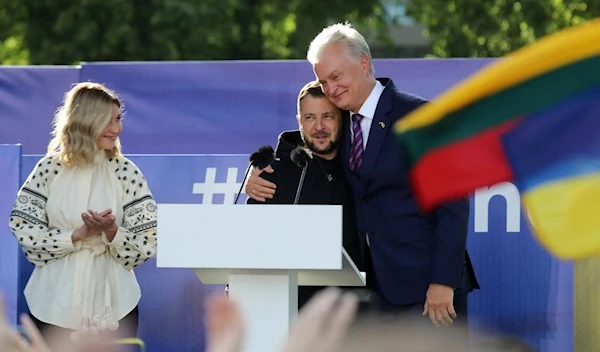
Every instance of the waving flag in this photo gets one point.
(532, 118)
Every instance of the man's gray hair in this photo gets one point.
(343, 34)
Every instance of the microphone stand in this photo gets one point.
(243, 181)
(301, 183)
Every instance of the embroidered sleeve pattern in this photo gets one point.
(29, 221)
(135, 241)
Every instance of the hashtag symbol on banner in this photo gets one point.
(210, 186)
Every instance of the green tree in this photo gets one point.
(12, 51)
(492, 28)
(68, 32)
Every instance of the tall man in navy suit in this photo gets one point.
(416, 262)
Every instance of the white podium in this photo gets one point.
(264, 252)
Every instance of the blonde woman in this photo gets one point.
(86, 218)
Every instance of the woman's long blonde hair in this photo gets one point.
(86, 111)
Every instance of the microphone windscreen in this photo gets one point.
(263, 157)
(300, 157)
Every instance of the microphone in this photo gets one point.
(301, 158)
(261, 158)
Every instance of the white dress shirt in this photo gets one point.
(368, 111)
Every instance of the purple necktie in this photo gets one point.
(356, 152)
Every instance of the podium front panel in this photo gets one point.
(250, 236)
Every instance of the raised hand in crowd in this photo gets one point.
(13, 341)
(323, 323)
(225, 325)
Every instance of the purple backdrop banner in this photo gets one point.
(231, 107)
(29, 97)
(10, 181)
(194, 107)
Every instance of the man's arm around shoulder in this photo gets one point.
(271, 177)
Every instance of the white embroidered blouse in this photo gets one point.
(87, 285)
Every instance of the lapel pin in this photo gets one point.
(381, 124)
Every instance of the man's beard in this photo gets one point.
(332, 146)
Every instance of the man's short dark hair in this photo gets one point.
(313, 89)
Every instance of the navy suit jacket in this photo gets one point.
(409, 248)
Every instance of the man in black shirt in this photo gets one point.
(320, 126)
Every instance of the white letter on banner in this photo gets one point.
(512, 196)
(209, 187)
